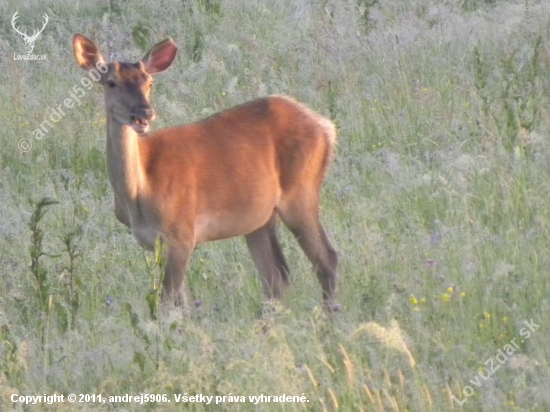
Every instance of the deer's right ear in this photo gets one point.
(86, 53)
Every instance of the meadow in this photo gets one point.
(437, 202)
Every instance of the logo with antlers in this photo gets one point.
(29, 40)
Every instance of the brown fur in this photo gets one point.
(231, 174)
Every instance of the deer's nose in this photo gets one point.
(147, 113)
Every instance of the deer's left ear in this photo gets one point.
(86, 53)
(160, 57)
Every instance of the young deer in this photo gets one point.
(231, 174)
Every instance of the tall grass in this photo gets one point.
(437, 200)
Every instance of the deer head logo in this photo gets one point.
(29, 40)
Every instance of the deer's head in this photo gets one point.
(127, 85)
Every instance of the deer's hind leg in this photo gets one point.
(268, 257)
(300, 215)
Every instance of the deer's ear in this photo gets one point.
(160, 57)
(86, 53)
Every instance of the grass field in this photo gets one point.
(437, 201)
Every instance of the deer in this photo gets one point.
(29, 40)
(235, 173)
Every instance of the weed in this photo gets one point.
(42, 284)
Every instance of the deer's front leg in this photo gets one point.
(173, 284)
(121, 212)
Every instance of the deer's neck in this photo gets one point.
(123, 159)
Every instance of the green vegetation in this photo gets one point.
(437, 199)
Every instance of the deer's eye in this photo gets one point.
(111, 84)
(151, 84)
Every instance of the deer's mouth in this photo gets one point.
(139, 124)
